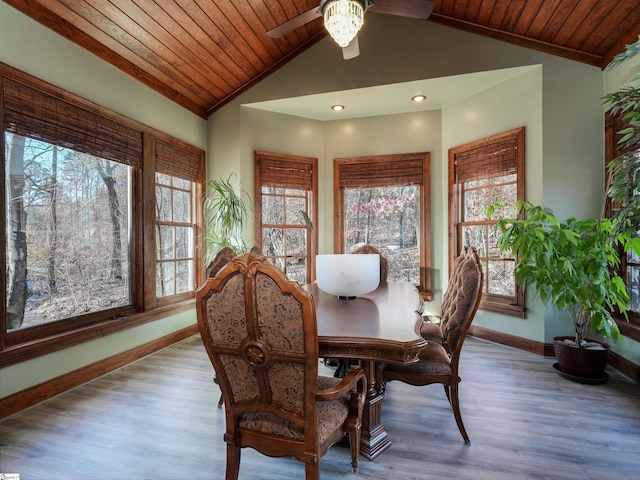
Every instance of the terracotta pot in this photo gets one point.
(581, 362)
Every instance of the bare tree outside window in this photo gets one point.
(286, 205)
(478, 231)
(387, 218)
(285, 233)
(79, 215)
(66, 252)
(383, 201)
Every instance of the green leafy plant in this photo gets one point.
(571, 264)
(225, 214)
(574, 263)
(624, 171)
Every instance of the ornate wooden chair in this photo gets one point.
(439, 361)
(224, 256)
(260, 332)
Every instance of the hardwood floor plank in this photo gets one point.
(157, 419)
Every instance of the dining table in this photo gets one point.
(382, 326)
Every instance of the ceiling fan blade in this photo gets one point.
(352, 50)
(403, 8)
(294, 23)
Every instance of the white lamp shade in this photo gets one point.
(348, 275)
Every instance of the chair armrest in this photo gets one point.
(355, 380)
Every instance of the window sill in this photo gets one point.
(503, 308)
(629, 329)
(45, 345)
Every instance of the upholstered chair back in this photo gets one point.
(259, 328)
(224, 256)
(461, 299)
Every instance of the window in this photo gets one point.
(78, 181)
(176, 220)
(630, 263)
(482, 173)
(384, 201)
(286, 206)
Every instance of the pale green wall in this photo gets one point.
(32, 48)
(512, 104)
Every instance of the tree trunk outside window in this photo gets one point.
(17, 236)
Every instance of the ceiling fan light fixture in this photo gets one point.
(343, 20)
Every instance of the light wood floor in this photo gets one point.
(157, 419)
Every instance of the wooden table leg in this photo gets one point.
(374, 439)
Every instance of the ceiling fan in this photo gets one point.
(343, 18)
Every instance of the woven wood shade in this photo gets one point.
(494, 159)
(176, 161)
(32, 113)
(370, 174)
(286, 174)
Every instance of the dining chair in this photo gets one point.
(384, 263)
(259, 330)
(439, 361)
(224, 256)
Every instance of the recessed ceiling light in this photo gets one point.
(419, 98)
(337, 108)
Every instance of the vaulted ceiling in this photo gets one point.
(203, 53)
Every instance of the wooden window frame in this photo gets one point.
(513, 139)
(32, 342)
(292, 172)
(614, 124)
(381, 171)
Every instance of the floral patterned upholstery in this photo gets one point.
(331, 416)
(260, 332)
(439, 360)
(456, 303)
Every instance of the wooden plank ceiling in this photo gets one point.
(203, 53)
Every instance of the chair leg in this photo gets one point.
(455, 405)
(312, 469)
(233, 462)
(221, 399)
(447, 392)
(354, 444)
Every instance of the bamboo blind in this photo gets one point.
(493, 159)
(370, 174)
(177, 162)
(281, 173)
(35, 114)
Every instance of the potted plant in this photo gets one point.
(573, 263)
(225, 213)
